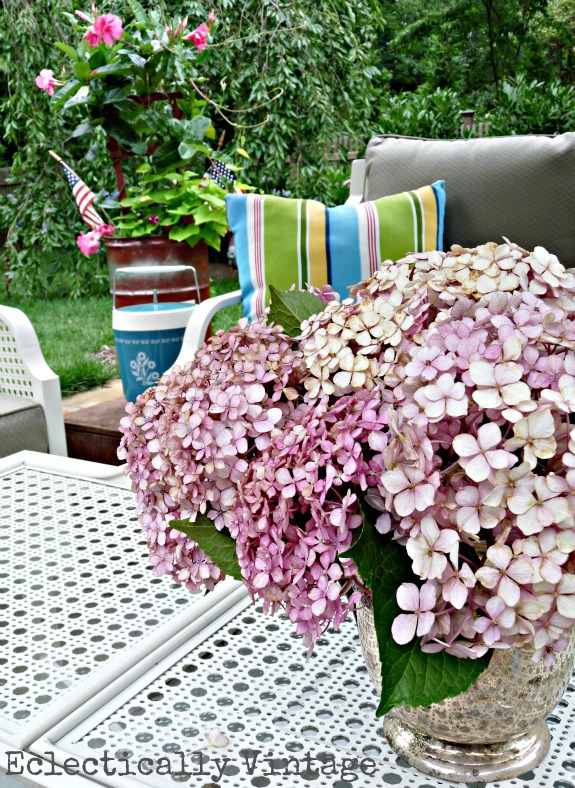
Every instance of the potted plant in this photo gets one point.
(408, 455)
(135, 83)
(169, 218)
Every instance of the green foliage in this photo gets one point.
(162, 203)
(291, 76)
(421, 113)
(474, 45)
(325, 181)
(282, 80)
(409, 676)
(218, 546)
(113, 87)
(289, 309)
(228, 317)
(530, 107)
(40, 215)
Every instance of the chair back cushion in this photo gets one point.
(22, 425)
(287, 242)
(520, 187)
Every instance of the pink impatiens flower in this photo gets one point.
(89, 243)
(427, 549)
(478, 456)
(106, 28)
(105, 230)
(199, 36)
(420, 602)
(45, 81)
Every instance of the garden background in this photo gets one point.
(348, 70)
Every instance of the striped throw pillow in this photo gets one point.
(284, 241)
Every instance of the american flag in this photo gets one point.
(218, 172)
(83, 196)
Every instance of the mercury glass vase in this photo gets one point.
(494, 731)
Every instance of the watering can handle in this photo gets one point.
(157, 269)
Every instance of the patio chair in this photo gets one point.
(522, 187)
(30, 400)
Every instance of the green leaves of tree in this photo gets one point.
(409, 676)
(218, 546)
(289, 309)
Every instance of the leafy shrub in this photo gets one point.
(422, 114)
(531, 107)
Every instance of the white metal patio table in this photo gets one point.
(290, 722)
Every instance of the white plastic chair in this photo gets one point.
(25, 373)
(199, 321)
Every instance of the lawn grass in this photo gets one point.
(229, 316)
(71, 331)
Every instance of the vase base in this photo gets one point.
(467, 762)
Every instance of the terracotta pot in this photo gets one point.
(157, 251)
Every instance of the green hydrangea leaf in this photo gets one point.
(409, 676)
(218, 546)
(289, 309)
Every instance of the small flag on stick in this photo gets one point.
(82, 194)
(218, 172)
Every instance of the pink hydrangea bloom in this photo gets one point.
(481, 456)
(505, 573)
(420, 601)
(428, 549)
(439, 395)
(410, 489)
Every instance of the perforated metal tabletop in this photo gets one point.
(100, 660)
(246, 674)
(78, 601)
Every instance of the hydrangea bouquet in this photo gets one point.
(410, 446)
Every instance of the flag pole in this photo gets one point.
(60, 161)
